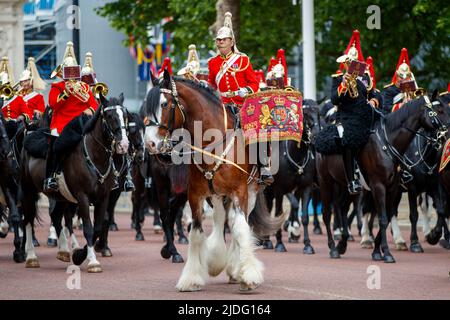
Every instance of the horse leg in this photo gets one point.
(326, 195)
(113, 198)
(413, 217)
(400, 243)
(195, 270)
(337, 222)
(308, 249)
(179, 222)
(101, 245)
(381, 201)
(267, 243)
(216, 249)
(69, 216)
(29, 200)
(315, 203)
(157, 222)
(366, 239)
(342, 244)
(56, 215)
(279, 247)
(425, 212)
(15, 219)
(175, 211)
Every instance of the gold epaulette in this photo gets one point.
(388, 85)
(443, 93)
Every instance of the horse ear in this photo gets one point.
(434, 95)
(153, 79)
(103, 100)
(121, 99)
(166, 78)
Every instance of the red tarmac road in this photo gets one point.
(137, 271)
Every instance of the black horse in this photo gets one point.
(296, 172)
(123, 165)
(379, 161)
(88, 178)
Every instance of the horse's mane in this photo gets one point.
(207, 91)
(151, 103)
(395, 119)
(134, 117)
(90, 124)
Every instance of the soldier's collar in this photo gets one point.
(227, 56)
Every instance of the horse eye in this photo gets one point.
(164, 105)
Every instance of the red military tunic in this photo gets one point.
(64, 108)
(239, 74)
(35, 102)
(15, 107)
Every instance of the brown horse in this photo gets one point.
(88, 174)
(185, 104)
(380, 161)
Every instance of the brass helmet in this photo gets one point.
(227, 30)
(278, 70)
(6, 74)
(193, 64)
(352, 54)
(69, 60)
(32, 73)
(404, 70)
(88, 67)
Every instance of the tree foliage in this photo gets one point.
(265, 26)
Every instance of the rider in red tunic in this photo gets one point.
(67, 99)
(13, 108)
(31, 83)
(232, 74)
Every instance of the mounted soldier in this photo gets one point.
(352, 92)
(403, 86)
(193, 65)
(231, 73)
(14, 108)
(68, 99)
(30, 83)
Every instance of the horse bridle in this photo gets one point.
(167, 141)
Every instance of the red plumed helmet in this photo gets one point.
(403, 68)
(353, 50)
(369, 62)
(282, 59)
(167, 64)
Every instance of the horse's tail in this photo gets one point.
(260, 219)
(27, 193)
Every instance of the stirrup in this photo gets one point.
(50, 185)
(354, 187)
(128, 185)
(148, 182)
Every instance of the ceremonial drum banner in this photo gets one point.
(272, 115)
(445, 158)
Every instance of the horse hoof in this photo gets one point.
(36, 243)
(308, 250)
(350, 238)
(367, 244)
(267, 244)
(113, 227)
(401, 246)
(18, 257)
(107, 252)
(317, 230)
(32, 263)
(416, 247)
(192, 288)
(78, 256)
(52, 242)
(183, 240)
(342, 247)
(279, 247)
(97, 246)
(139, 237)
(334, 254)
(444, 244)
(388, 258)
(165, 253)
(177, 258)
(433, 237)
(292, 240)
(246, 287)
(63, 256)
(94, 268)
(376, 256)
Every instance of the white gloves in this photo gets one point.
(242, 92)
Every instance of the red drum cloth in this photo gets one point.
(445, 158)
(272, 115)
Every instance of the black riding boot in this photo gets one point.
(264, 163)
(50, 184)
(354, 186)
(128, 185)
